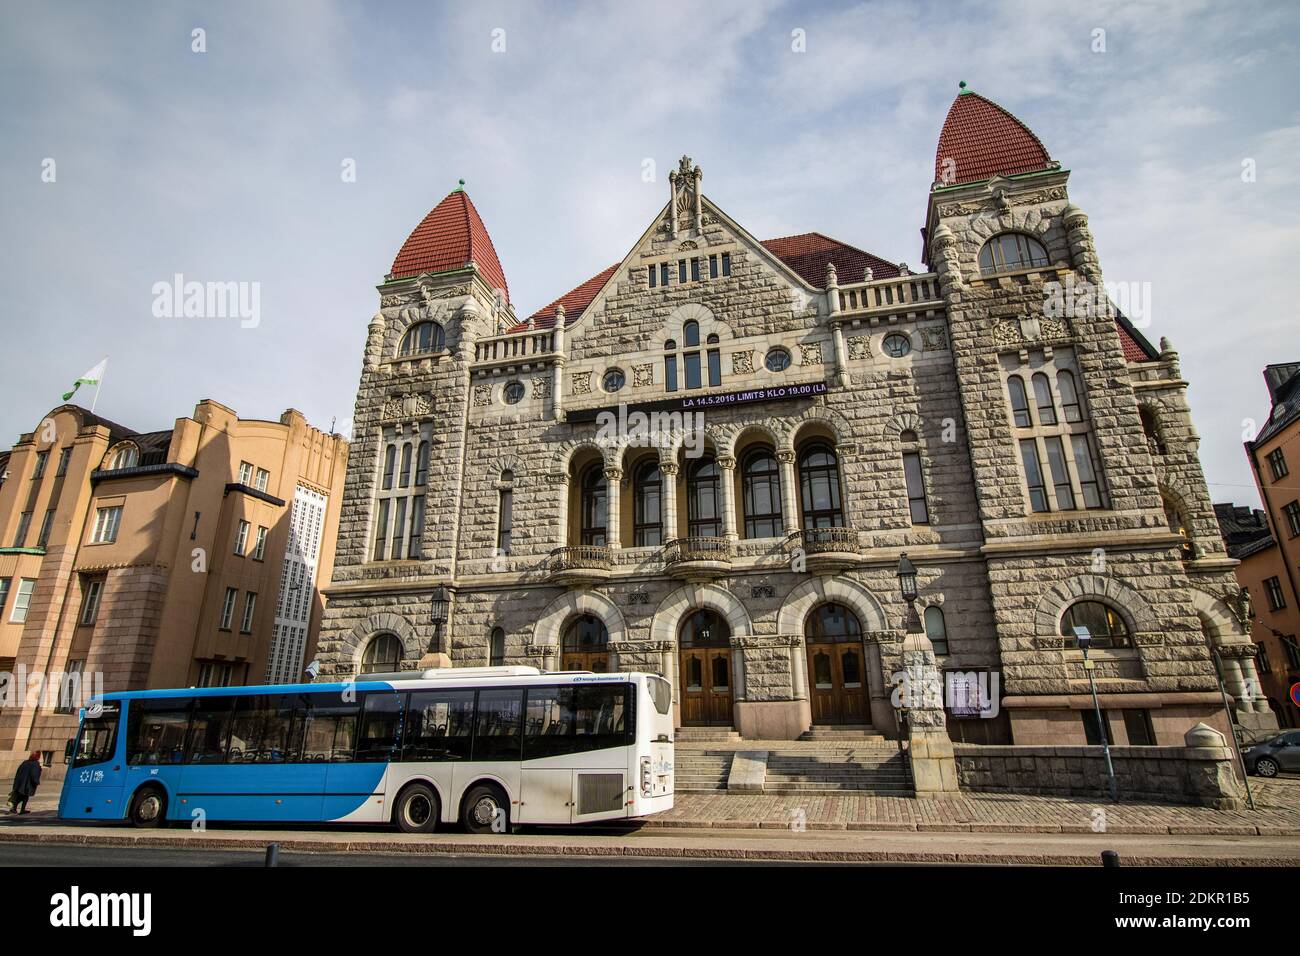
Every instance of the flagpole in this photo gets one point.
(95, 401)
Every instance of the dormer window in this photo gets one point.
(421, 338)
(1011, 250)
(126, 456)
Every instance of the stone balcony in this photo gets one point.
(698, 558)
(581, 564)
(826, 550)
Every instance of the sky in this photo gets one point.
(292, 146)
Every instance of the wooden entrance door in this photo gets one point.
(706, 686)
(597, 661)
(837, 684)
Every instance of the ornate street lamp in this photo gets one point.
(1084, 637)
(438, 612)
(906, 578)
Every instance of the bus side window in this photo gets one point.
(331, 728)
(209, 730)
(439, 725)
(381, 727)
(157, 730)
(497, 732)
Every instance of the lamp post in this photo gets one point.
(1084, 637)
(907, 589)
(438, 610)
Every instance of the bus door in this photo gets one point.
(96, 772)
(366, 738)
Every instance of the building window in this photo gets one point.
(681, 271)
(715, 363)
(1011, 250)
(259, 547)
(1043, 398)
(513, 393)
(38, 470)
(404, 474)
(22, 600)
(761, 482)
(422, 465)
(126, 456)
(263, 479)
(1019, 402)
(777, 360)
(1033, 474)
(1137, 726)
(24, 525)
(1292, 650)
(70, 687)
(896, 345)
(505, 517)
(390, 463)
(250, 607)
(647, 505)
(90, 602)
(46, 526)
(1265, 666)
(65, 456)
(703, 499)
(107, 521)
(915, 488)
(584, 645)
(228, 608)
(613, 380)
(1085, 463)
(1277, 464)
(1273, 588)
(936, 629)
(1071, 407)
(421, 338)
(1092, 731)
(241, 538)
(215, 675)
(663, 273)
(4, 594)
(1103, 622)
(726, 263)
(670, 366)
(381, 529)
(415, 547)
(1292, 512)
(713, 267)
(595, 516)
(399, 509)
(832, 624)
(654, 278)
(695, 270)
(383, 654)
(246, 474)
(1060, 473)
(819, 487)
(497, 642)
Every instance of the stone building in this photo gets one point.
(191, 556)
(991, 416)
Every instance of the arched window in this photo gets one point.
(1069, 389)
(936, 629)
(819, 486)
(583, 645)
(647, 514)
(505, 511)
(126, 456)
(761, 480)
(422, 337)
(390, 461)
(691, 334)
(715, 363)
(1043, 398)
(703, 499)
(705, 628)
(1011, 250)
(594, 514)
(670, 365)
(382, 655)
(1019, 401)
(832, 623)
(422, 465)
(404, 477)
(497, 648)
(1103, 622)
(1151, 428)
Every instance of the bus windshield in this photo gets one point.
(98, 734)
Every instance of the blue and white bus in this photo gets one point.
(488, 747)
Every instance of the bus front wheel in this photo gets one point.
(148, 807)
(486, 810)
(417, 809)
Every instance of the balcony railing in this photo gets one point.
(582, 557)
(906, 293)
(698, 548)
(826, 549)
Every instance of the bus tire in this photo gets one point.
(484, 805)
(417, 809)
(148, 807)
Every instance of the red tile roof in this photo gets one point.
(806, 254)
(449, 237)
(1134, 351)
(984, 140)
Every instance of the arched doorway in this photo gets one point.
(837, 683)
(704, 640)
(584, 645)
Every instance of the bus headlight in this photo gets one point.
(645, 776)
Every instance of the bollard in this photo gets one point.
(273, 854)
(1109, 858)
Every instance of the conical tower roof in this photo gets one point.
(450, 237)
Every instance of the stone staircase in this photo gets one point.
(701, 769)
(848, 734)
(858, 769)
(696, 735)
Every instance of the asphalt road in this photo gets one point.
(54, 854)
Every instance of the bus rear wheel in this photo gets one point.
(417, 809)
(148, 807)
(486, 810)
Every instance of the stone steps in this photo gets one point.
(701, 770)
(857, 770)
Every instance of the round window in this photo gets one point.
(613, 380)
(778, 360)
(514, 393)
(896, 345)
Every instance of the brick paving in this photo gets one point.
(1277, 813)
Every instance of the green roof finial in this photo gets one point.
(961, 85)
(461, 187)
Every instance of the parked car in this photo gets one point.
(1268, 758)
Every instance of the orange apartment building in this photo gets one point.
(1268, 543)
(186, 557)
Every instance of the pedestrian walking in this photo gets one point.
(26, 780)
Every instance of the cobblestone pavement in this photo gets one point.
(1277, 812)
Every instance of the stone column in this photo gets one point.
(557, 370)
(841, 372)
(727, 464)
(934, 768)
(798, 669)
(562, 488)
(669, 471)
(789, 491)
(698, 174)
(613, 480)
